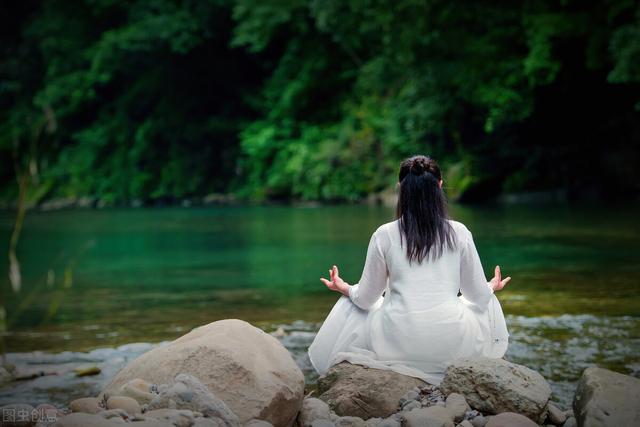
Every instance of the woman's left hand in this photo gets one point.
(336, 283)
(497, 283)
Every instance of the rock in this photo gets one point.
(555, 415)
(372, 422)
(389, 422)
(465, 423)
(82, 419)
(323, 423)
(495, 385)
(208, 422)
(349, 422)
(478, 421)
(17, 415)
(87, 405)
(177, 417)
(607, 398)
(364, 392)
(571, 422)
(137, 389)
(510, 419)
(245, 367)
(458, 406)
(258, 423)
(313, 409)
(411, 405)
(187, 392)
(433, 416)
(127, 404)
(114, 413)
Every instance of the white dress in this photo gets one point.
(420, 324)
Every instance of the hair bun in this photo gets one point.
(419, 166)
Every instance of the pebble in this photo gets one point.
(349, 422)
(510, 419)
(87, 405)
(322, 423)
(429, 417)
(555, 415)
(458, 406)
(411, 405)
(128, 404)
(412, 395)
(465, 423)
(478, 421)
(389, 422)
(178, 417)
(571, 422)
(114, 413)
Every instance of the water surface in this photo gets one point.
(99, 279)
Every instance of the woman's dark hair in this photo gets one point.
(422, 209)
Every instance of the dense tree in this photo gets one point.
(318, 99)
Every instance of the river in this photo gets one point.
(97, 281)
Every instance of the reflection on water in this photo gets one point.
(98, 279)
(558, 347)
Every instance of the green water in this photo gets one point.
(96, 278)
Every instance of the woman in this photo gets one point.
(405, 313)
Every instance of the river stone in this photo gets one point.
(258, 423)
(510, 419)
(433, 416)
(127, 404)
(349, 422)
(364, 392)
(389, 422)
(457, 404)
(313, 409)
(465, 423)
(242, 365)
(137, 389)
(555, 415)
(187, 392)
(81, 419)
(607, 398)
(88, 405)
(177, 417)
(495, 385)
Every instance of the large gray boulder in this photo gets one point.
(495, 385)
(245, 367)
(364, 392)
(607, 398)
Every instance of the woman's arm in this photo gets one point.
(372, 283)
(473, 283)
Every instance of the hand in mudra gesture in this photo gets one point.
(336, 283)
(497, 283)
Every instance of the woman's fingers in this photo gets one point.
(497, 273)
(336, 273)
(326, 282)
(505, 281)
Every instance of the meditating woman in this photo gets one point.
(406, 314)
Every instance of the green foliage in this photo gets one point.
(316, 99)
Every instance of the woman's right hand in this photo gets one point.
(497, 283)
(336, 283)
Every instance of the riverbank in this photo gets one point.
(234, 372)
(560, 347)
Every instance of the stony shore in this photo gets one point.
(229, 373)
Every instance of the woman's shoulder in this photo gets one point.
(387, 228)
(459, 228)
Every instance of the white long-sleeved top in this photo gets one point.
(421, 323)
